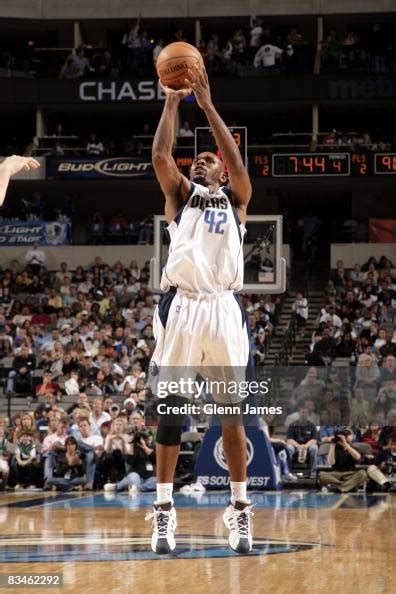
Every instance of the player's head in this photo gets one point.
(208, 169)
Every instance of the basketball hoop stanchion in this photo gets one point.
(265, 267)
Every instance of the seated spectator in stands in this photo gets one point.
(214, 55)
(324, 345)
(294, 37)
(302, 440)
(81, 63)
(282, 455)
(146, 232)
(255, 33)
(359, 404)
(48, 386)
(342, 458)
(20, 377)
(26, 467)
(42, 416)
(356, 275)
(389, 430)
(92, 446)
(268, 57)
(63, 273)
(69, 472)
(5, 343)
(367, 371)
(300, 308)
(384, 401)
(5, 454)
(99, 416)
(238, 42)
(386, 457)
(117, 445)
(388, 369)
(312, 383)
(141, 463)
(346, 346)
(35, 258)
(371, 436)
(95, 147)
(70, 70)
(185, 131)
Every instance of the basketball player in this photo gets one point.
(199, 322)
(11, 166)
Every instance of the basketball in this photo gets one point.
(174, 61)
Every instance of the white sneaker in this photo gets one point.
(133, 490)
(290, 477)
(109, 487)
(237, 519)
(164, 526)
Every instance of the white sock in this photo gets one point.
(238, 492)
(164, 493)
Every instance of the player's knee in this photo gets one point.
(168, 435)
(171, 421)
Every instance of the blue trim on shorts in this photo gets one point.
(243, 313)
(164, 305)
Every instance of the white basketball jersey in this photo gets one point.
(206, 249)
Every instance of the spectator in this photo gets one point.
(388, 370)
(81, 63)
(186, 131)
(300, 308)
(35, 258)
(371, 436)
(48, 386)
(95, 147)
(20, 377)
(302, 440)
(26, 468)
(142, 463)
(267, 57)
(69, 471)
(70, 70)
(343, 458)
(5, 449)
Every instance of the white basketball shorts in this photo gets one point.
(201, 333)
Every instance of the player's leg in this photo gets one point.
(170, 359)
(239, 510)
(230, 350)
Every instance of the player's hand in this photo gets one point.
(15, 164)
(179, 95)
(198, 81)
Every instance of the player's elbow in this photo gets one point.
(159, 158)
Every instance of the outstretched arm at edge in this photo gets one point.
(11, 166)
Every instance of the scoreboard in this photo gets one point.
(330, 164)
(262, 163)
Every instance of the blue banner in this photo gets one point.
(98, 167)
(31, 232)
(211, 468)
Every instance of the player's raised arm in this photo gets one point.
(174, 185)
(239, 179)
(11, 166)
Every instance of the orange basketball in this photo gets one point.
(174, 61)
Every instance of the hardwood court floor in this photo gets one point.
(304, 543)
